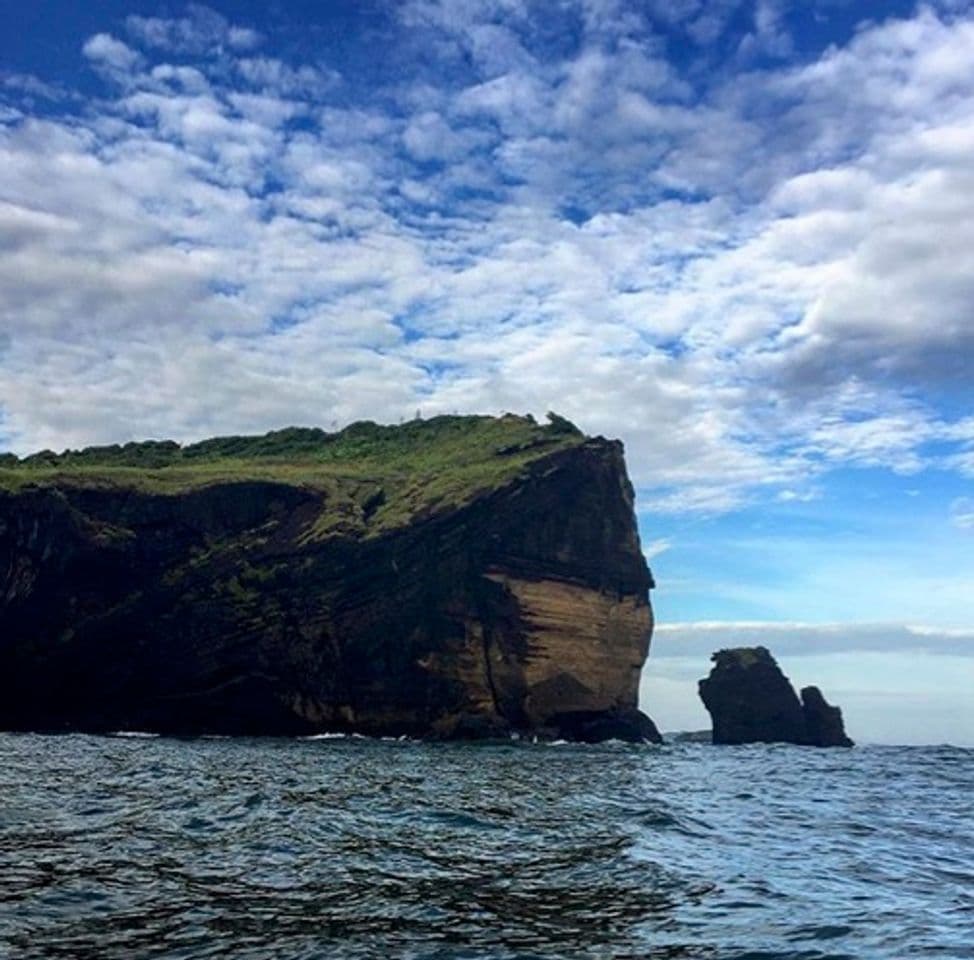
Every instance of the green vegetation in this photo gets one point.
(742, 656)
(371, 476)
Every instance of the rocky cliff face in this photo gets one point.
(356, 593)
(751, 701)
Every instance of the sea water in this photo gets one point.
(136, 847)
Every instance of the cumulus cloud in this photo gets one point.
(33, 90)
(106, 50)
(201, 31)
(752, 278)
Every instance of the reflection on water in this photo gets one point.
(141, 847)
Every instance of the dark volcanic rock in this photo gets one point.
(512, 597)
(591, 726)
(751, 701)
(823, 722)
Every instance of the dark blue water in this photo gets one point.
(132, 848)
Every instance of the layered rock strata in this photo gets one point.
(288, 601)
(750, 700)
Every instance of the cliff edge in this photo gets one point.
(460, 576)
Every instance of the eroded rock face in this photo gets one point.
(750, 700)
(217, 611)
(823, 722)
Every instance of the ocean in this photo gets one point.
(136, 847)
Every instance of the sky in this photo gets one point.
(736, 234)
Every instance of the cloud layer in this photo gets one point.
(700, 639)
(752, 265)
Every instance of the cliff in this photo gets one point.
(462, 576)
(750, 700)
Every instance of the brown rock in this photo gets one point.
(265, 606)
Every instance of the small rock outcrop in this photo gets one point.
(823, 722)
(751, 701)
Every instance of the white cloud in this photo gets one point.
(962, 513)
(201, 31)
(34, 87)
(271, 74)
(770, 35)
(243, 38)
(798, 496)
(655, 547)
(751, 282)
(106, 50)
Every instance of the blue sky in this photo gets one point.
(738, 235)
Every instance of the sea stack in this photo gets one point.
(823, 722)
(454, 577)
(750, 700)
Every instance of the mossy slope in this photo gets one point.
(373, 478)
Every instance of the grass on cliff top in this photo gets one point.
(742, 656)
(386, 474)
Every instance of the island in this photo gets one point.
(750, 700)
(460, 576)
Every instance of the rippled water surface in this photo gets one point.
(131, 848)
